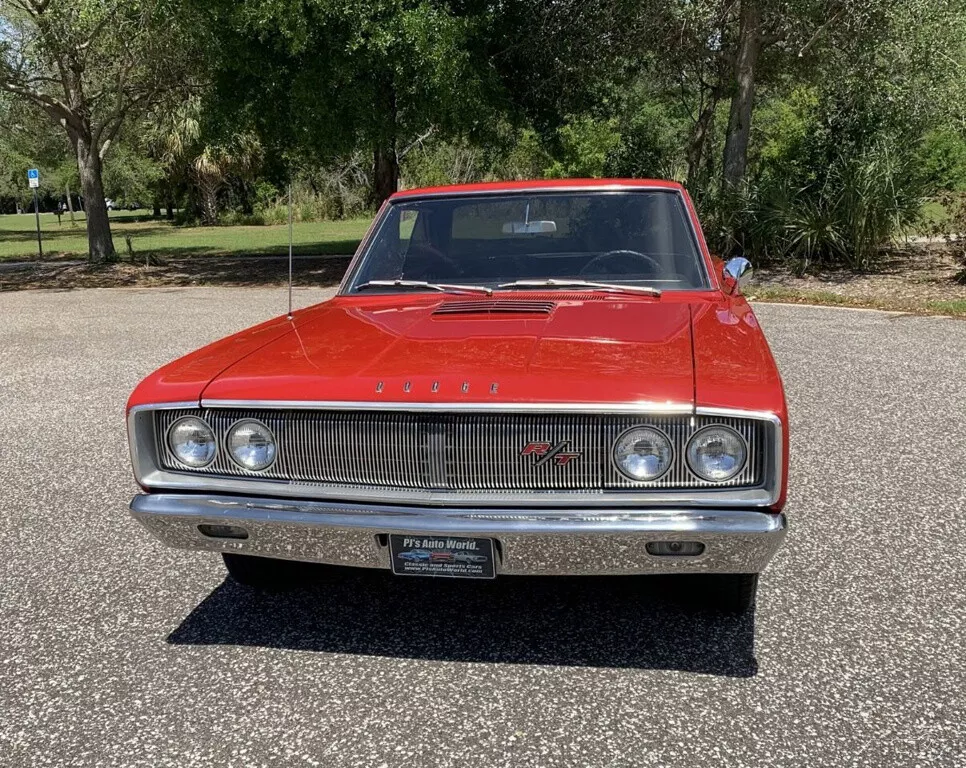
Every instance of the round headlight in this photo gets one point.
(192, 442)
(643, 453)
(717, 453)
(251, 445)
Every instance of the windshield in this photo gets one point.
(634, 238)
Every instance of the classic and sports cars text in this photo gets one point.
(552, 377)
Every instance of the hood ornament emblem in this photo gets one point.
(434, 388)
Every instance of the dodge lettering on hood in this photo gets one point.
(550, 377)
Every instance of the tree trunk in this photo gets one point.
(208, 186)
(385, 166)
(70, 204)
(156, 210)
(169, 210)
(743, 95)
(99, 241)
(385, 176)
(699, 136)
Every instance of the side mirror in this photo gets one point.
(737, 272)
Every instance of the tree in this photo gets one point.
(320, 79)
(92, 65)
(318, 82)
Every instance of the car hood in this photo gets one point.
(583, 350)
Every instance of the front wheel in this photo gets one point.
(726, 592)
(263, 573)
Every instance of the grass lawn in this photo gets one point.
(783, 295)
(18, 237)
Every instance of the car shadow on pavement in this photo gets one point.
(611, 621)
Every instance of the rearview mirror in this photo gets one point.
(737, 272)
(529, 227)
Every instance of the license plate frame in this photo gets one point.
(446, 557)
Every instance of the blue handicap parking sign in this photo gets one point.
(33, 173)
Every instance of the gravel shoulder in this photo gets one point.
(925, 278)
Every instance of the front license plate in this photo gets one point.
(448, 556)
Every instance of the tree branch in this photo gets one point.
(419, 140)
(818, 32)
(52, 105)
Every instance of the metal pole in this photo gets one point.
(290, 250)
(40, 245)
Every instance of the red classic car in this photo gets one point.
(556, 375)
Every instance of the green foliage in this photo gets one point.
(943, 159)
(951, 226)
(585, 146)
(861, 203)
(650, 143)
(325, 197)
(525, 158)
(444, 162)
(266, 194)
(130, 176)
(859, 107)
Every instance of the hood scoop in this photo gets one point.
(496, 307)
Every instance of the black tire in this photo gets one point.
(264, 573)
(732, 593)
(735, 592)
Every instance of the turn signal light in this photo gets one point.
(223, 531)
(675, 548)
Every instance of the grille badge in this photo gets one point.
(544, 453)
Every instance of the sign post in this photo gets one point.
(33, 179)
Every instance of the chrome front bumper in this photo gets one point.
(560, 542)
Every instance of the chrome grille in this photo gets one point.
(469, 452)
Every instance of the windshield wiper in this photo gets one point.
(611, 287)
(443, 287)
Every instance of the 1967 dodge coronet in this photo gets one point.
(550, 377)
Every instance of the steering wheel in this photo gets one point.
(425, 261)
(621, 262)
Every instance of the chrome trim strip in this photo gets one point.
(353, 266)
(165, 406)
(498, 192)
(697, 238)
(147, 473)
(553, 542)
(141, 442)
(773, 475)
(642, 407)
(737, 413)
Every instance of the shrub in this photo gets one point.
(952, 227)
(331, 193)
(437, 163)
(237, 218)
(585, 145)
(862, 203)
(943, 159)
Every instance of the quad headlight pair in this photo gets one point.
(250, 444)
(715, 453)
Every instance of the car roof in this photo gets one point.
(535, 185)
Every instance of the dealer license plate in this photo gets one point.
(447, 556)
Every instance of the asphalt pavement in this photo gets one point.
(115, 651)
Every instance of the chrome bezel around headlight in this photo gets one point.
(692, 465)
(626, 434)
(177, 455)
(271, 439)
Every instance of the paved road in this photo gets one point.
(117, 652)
